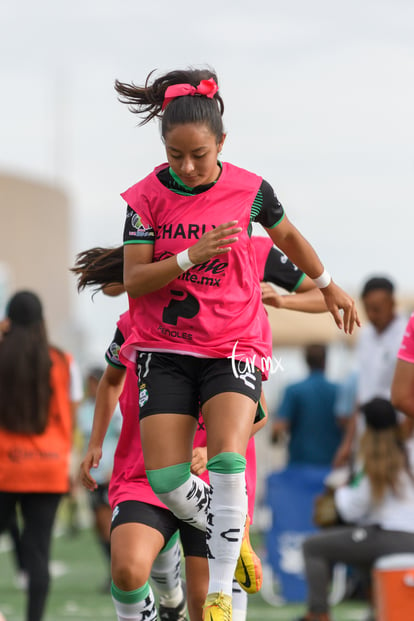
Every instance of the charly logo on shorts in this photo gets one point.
(143, 395)
(115, 512)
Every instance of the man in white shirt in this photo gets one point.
(379, 340)
(376, 354)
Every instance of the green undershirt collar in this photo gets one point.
(185, 188)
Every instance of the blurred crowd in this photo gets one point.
(358, 434)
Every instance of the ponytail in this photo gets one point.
(148, 101)
(99, 267)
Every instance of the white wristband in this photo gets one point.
(323, 280)
(184, 261)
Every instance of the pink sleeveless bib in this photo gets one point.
(214, 309)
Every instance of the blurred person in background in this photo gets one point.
(14, 530)
(98, 499)
(37, 410)
(307, 413)
(375, 511)
(376, 354)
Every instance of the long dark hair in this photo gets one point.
(25, 366)
(99, 267)
(147, 101)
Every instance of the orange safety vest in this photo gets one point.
(40, 462)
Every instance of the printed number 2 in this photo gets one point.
(186, 307)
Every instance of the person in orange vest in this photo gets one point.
(36, 422)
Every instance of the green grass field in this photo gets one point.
(80, 573)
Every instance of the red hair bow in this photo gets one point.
(208, 88)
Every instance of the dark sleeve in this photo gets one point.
(112, 353)
(267, 208)
(280, 271)
(135, 231)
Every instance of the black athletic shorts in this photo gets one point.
(193, 540)
(181, 384)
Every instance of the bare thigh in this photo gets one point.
(229, 418)
(167, 439)
(134, 547)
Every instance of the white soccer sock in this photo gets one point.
(133, 608)
(225, 526)
(166, 574)
(239, 602)
(189, 501)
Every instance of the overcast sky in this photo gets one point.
(319, 100)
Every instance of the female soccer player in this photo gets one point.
(199, 332)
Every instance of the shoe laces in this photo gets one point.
(221, 602)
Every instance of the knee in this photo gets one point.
(165, 480)
(227, 463)
(309, 546)
(131, 576)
